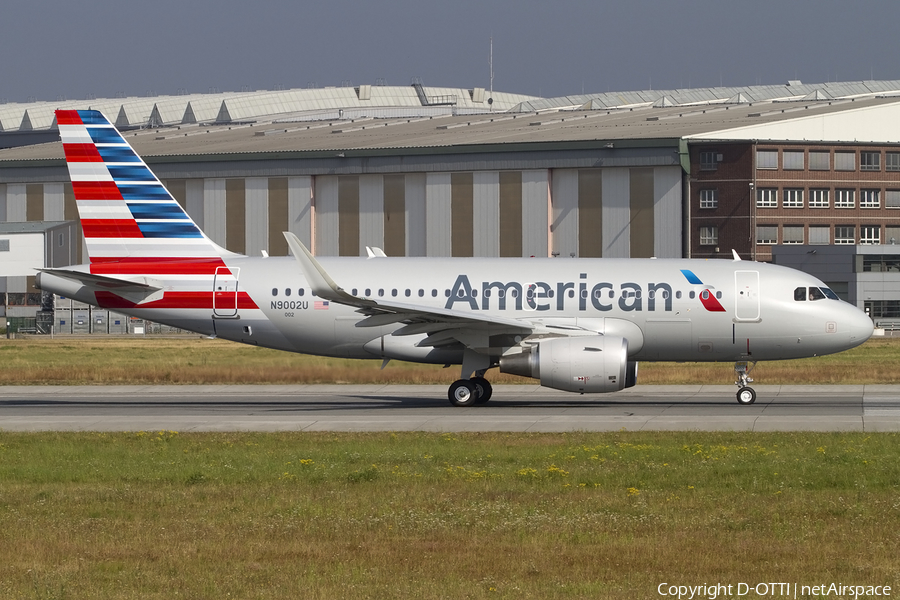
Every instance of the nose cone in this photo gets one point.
(858, 325)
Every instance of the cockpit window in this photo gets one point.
(801, 294)
(813, 293)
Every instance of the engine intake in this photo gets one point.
(585, 364)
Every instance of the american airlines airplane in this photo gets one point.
(579, 325)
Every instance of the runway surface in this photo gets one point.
(425, 408)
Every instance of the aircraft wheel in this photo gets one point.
(483, 389)
(746, 395)
(463, 393)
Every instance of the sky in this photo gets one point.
(59, 49)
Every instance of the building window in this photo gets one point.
(892, 199)
(870, 161)
(792, 198)
(892, 161)
(845, 198)
(845, 161)
(792, 234)
(709, 198)
(819, 161)
(882, 309)
(892, 236)
(845, 234)
(819, 234)
(709, 236)
(767, 159)
(767, 198)
(818, 199)
(4, 245)
(879, 263)
(870, 234)
(708, 161)
(767, 234)
(869, 199)
(793, 160)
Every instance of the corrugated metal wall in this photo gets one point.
(416, 190)
(564, 212)
(214, 210)
(667, 212)
(609, 212)
(438, 214)
(616, 212)
(535, 213)
(300, 208)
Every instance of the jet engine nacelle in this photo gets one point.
(585, 364)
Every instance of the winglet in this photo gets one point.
(319, 280)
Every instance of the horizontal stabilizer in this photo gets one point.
(140, 290)
(102, 281)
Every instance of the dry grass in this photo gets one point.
(163, 515)
(196, 360)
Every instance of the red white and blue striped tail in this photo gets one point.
(126, 213)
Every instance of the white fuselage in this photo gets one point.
(749, 313)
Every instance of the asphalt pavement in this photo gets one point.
(425, 408)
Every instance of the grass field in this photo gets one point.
(155, 515)
(304, 515)
(195, 360)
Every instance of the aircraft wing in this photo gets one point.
(441, 325)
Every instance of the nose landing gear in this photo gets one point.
(746, 394)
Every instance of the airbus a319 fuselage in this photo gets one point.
(574, 324)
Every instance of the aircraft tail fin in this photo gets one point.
(126, 212)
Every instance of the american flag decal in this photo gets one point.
(320, 305)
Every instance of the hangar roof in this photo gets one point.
(236, 106)
(293, 135)
(792, 91)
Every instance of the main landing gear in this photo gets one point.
(746, 394)
(466, 392)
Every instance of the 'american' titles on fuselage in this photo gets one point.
(542, 296)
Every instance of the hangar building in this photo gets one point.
(424, 171)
